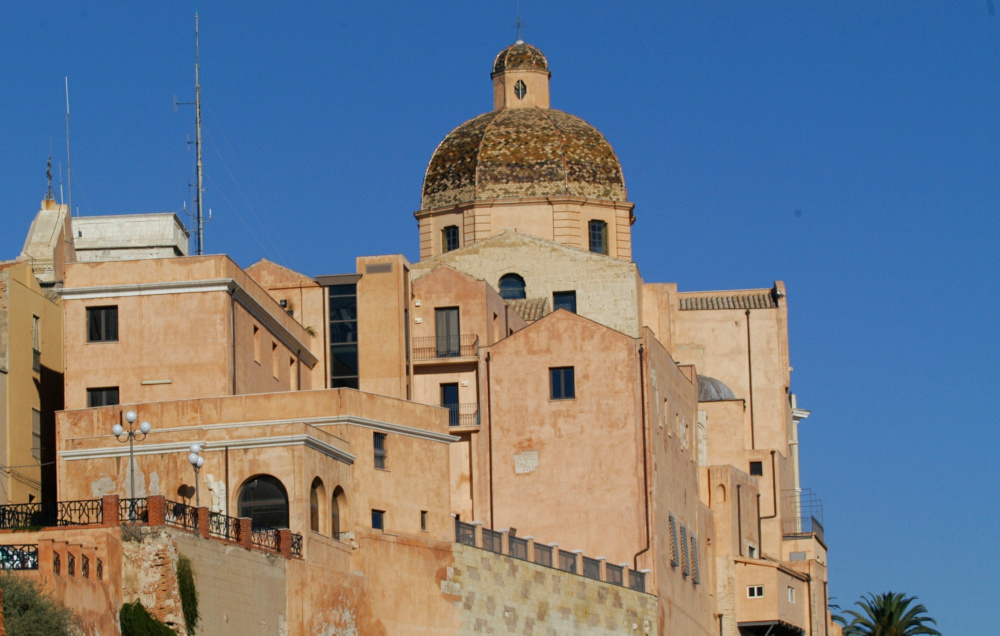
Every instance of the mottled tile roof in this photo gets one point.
(531, 309)
(753, 300)
(518, 56)
(522, 152)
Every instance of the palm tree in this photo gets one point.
(889, 614)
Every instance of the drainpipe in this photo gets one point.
(232, 331)
(645, 468)
(753, 440)
(774, 501)
(489, 434)
(739, 516)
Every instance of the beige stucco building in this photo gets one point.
(515, 434)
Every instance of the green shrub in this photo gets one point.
(189, 593)
(135, 620)
(29, 611)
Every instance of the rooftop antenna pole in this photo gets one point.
(197, 143)
(69, 163)
(518, 24)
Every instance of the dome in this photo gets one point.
(522, 152)
(519, 56)
(712, 390)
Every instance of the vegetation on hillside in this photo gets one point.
(29, 611)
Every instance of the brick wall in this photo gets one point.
(500, 594)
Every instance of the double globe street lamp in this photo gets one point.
(196, 461)
(131, 436)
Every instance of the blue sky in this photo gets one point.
(849, 148)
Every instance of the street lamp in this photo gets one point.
(131, 436)
(196, 461)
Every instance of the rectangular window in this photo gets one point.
(446, 330)
(102, 324)
(275, 366)
(755, 591)
(791, 594)
(105, 396)
(256, 344)
(36, 344)
(757, 469)
(293, 374)
(381, 451)
(449, 238)
(423, 522)
(598, 237)
(343, 305)
(449, 400)
(36, 434)
(378, 519)
(564, 300)
(561, 383)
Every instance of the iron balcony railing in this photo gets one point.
(182, 515)
(434, 347)
(591, 568)
(518, 548)
(463, 414)
(465, 533)
(297, 545)
(637, 581)
(265, 538)
(133, 510)
(613, 574)
(492, 541)
(803, 513)
(51, 513)
(223, 527)
(567, 561)
(19, 557)
(543, 555)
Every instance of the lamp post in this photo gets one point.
(130, 435)
(196, 461)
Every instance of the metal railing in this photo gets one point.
(51, 513)
(85, 566)
(181, 515)
(265, 538)
(465, 533)
(133, 510)
(637, 581)
(70, 564)
(803, 514)
(613, 574)
(463, 414)
(492, 541)
(223, 527)
(56, 562)
(19, 557)
(100, 570)
(518, 548)
(592, 568)
(543, 555)
(297, 545)
(567, 562)
(434, 347)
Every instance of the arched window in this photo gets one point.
(264, 500)
(339, 504)
(317, 497)
(511, 287)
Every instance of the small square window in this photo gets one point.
(757, 469)
(105, 396)
(378, 519)
(381, 451)
(562, 386)
(102, 324)
(564, 300)
(755, 591)
(791, 594)
(423, 521)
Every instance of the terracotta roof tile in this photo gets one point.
(755, 300)
(531, 309)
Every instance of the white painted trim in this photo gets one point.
(235, 444)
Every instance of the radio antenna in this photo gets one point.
(199, 189)
(69, 163)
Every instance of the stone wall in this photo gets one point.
(500, 594)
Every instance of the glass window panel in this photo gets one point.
(344, 360)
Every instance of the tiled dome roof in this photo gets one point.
(522, 152)
(519, 56)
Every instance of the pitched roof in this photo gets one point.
(752, 300)
(531, 309)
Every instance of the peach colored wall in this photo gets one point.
(536, 96)
(732, 495)
(775, 604)
(571, 488)
(383, 298)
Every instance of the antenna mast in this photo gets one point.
(69, 164)
(197, 143)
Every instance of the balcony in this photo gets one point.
(446, 347)
(803, 514)
(462, 415)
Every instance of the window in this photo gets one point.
(685, 559)
(561, 383)
(36, 344)
(102, 324)
(264, 500)
(755, 591)
(381, 452)
(599, 237)
(423, 522)
(36, 434)
(256, 344)
(293, 374)
(449, 400)
(520, 89)
(791, 594)
(757, 469)
(564, 300)
(316, 495)
(275, 364)
(449, 238)
(378, 519)
(338, 503)
(106, 396)
(449, 340)
(512, 287)
(344, 336)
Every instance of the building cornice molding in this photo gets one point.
(227, 285)
(301, 439)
